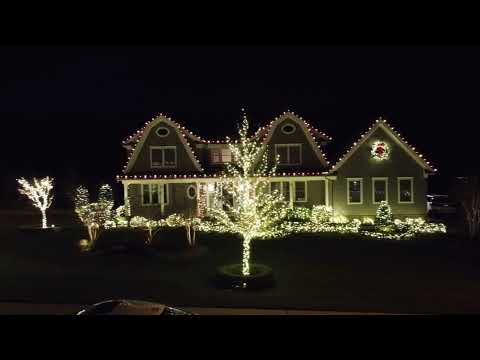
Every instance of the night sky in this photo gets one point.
(66, 109)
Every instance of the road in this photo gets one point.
(71, 309)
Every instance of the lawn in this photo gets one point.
(324, 272)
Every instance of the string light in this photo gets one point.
(38, 191)
(381, 122)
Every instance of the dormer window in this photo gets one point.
(163, 157)
(221, 156)
(289, 154)
(162, 131)
(288, 129)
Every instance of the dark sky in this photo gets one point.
(66, 109)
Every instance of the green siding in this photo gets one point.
(309, 158)
(361, 165)
(184, 162)
(315, 194)
(178, 202)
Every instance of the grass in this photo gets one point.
(327, 272)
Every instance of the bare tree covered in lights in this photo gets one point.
(39, 192)
(254, 212)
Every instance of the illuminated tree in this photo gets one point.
(384, 214)
(39, 192)
(249, 209)
(81, 197)
(94, 215)
(105, 194)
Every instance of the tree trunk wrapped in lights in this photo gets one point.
(151, 227)
(188, 221)
(249, 209)
(39, 192)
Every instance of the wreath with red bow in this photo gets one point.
(380, 150)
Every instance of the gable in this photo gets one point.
(400, 151)
(311, 154)
(139, 161)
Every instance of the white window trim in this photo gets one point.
(349, 180)
(159, 192)
(295, 192)
(221, 150)
(162, 127)
(385, 179)
(290, 187)
(166, 188)
(411, 190)
(288, 124)
(288, 146)
(163, 157)
(188, 192)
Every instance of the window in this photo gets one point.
(355, 191)
(163, 156)
(221, 156)
(300, 191)
(191, 191)
(283, 187)
(288, 129)
(379, 190)
(405, 190)
(153, 193)
(162, 131)
(289, 154)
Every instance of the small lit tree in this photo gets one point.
(105, 194)
(81, 197)
(94, 215)
(39, 192)
(384, 214)
(254, 211)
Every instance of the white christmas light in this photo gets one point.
(38, 191)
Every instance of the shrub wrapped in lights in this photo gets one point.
(150, 226)
(321, 214)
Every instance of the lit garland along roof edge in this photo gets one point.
(286, 114)
(140, 138)
(182, 128)
(135, 138)
(380, 122)
(212, 176)
(265, 133)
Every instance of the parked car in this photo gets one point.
(131, 307)
(440, 204)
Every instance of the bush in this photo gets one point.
(299, 214)
(321, 214)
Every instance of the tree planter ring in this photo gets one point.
(231, 277)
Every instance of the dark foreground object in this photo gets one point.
(230, 277)
(131, 307)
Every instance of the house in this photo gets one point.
(171, 170)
